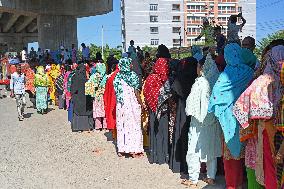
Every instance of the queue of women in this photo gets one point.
(184, 113)
(190, 111)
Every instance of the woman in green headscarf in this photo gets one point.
(41, 83)
(97, 82)
(128, 110)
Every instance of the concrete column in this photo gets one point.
(54, 31)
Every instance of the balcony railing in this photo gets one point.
(193, 33)
(195, 22)
(227, 12)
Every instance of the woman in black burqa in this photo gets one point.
(82, 105)
(181, 87)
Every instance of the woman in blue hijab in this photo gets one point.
(228, 88)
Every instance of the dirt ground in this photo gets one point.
(42, 152)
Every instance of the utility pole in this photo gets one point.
(179, 44)
(103, 41)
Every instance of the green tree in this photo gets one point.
(107, 50)
(151, 50)
(265, 41)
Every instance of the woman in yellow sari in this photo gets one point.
(52, 76)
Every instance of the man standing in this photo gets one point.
(24, 54)
(85, 52)
(17, 86)
(234, 29)
(33, 54)
(136, 67)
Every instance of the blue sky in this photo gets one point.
(270, 18)
(90, 28)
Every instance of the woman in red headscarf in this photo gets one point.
(157, 93)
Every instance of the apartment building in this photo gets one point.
(177, 23)
(152, 22)
(218, 13)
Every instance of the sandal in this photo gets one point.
(209, 181)
(188, 183)
(137, 155)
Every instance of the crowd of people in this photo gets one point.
(189, 113)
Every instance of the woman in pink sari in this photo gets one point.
(66, 93)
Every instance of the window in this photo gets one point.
(176, 18)
(153, 18)
(153, 7)
(176, 29)
(154, 30)
(176, 7)
(177, 41)
(240, 9)
(154, 41)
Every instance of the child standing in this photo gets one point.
(17, 86)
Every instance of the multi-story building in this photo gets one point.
(152, 22)
(218, 13)
(177, 23)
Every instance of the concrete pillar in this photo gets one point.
(54, 31)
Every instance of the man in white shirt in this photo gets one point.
(17, 86)
(24, 54)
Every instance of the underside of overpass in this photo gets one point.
(17, 30)
(52, 23)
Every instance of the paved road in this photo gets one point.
(42, 152)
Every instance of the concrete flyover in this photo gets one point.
(50, 22)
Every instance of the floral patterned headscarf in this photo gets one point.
(41, 79)
(101, 70)
(125, 74)
(95, 86)
(262, 97)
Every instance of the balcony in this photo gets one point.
(227, 12)
(193, 33)
(195, 22)
(228, 1)
(196, 11)
(202, 1)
